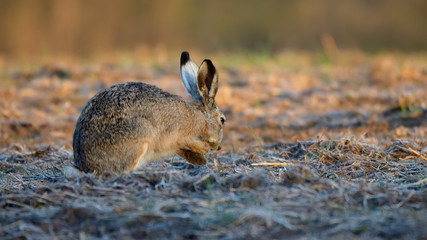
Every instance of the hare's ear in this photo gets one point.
(207, 81)
(189, 71)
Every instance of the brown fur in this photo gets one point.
(143, 150)
(131, 124)
(192, 157)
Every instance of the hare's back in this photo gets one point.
(129, 93)
(118, 108)
(126, 96)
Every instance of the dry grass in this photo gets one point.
(337, 151)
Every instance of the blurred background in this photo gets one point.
(85, 28)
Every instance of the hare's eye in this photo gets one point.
(222, 120)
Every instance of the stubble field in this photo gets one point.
(317, 145)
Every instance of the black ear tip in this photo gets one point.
(209, 64)
(185, 57)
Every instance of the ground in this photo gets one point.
(317, 145)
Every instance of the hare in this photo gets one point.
(131, 124)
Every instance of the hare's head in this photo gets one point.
(202, 84)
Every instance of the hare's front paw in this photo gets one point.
(197, 146)
(192, 157)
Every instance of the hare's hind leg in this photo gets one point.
(192, 157)
(141, 157)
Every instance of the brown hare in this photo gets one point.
(129, 125)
